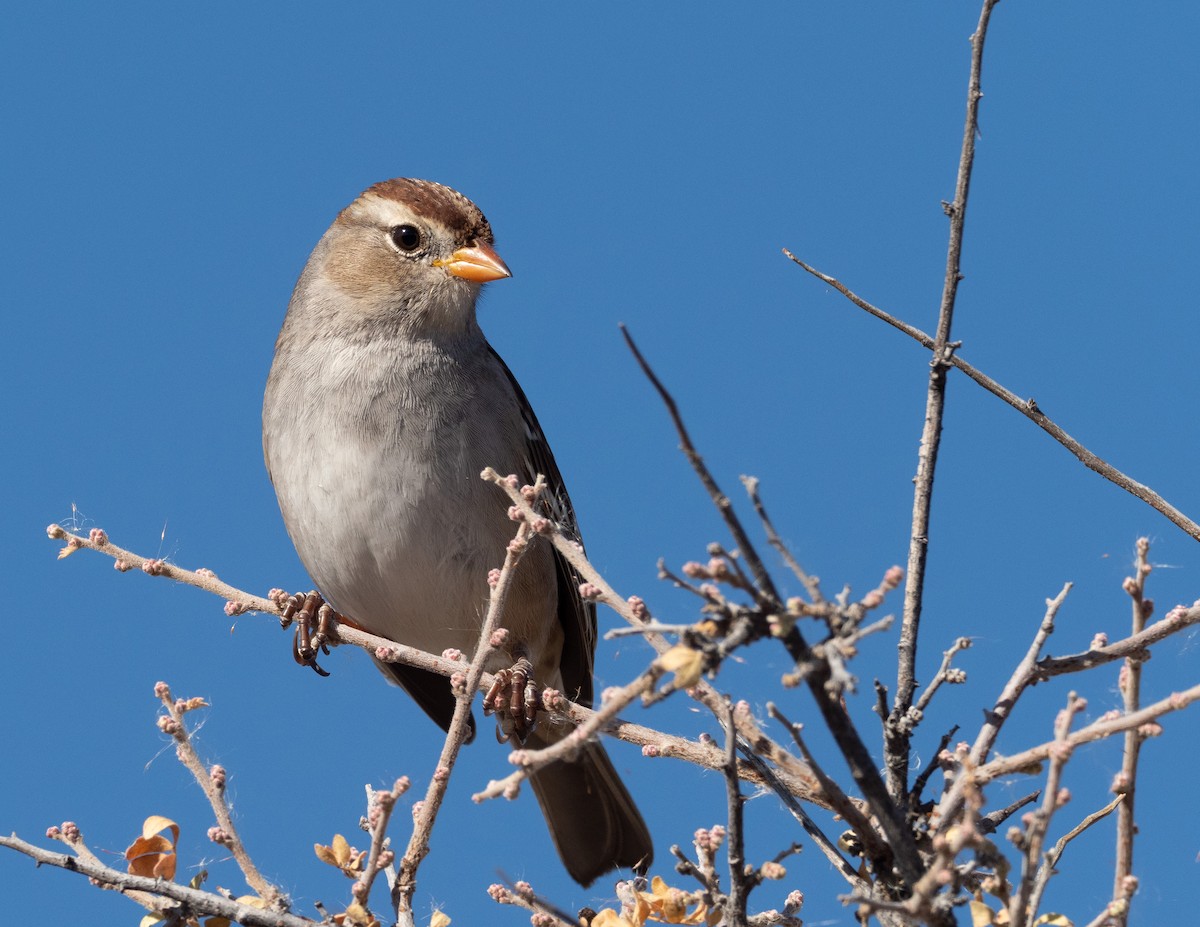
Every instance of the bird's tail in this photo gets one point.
(595, 825)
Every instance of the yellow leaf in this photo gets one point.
(982, 915)
(150, 920)
(439, 919)
(610, 918)
(685, 663)
(337, 854)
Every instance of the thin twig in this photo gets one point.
(521, 895)
(989, 823)
(213, 786)
(1022, 907)
(379, 858)
(1027, 407)
(418, 844)
(1134, 646)
(943, 672)
(877, 852)
(530, 761)
(1022, 677)
(898, 733)
(1047, 868)
(824, 844)
(812, 584)
(931, 767)
(722, 502)
(1130, 684)
(653, 742)
(735, 913)
(1098, 730)
(818, 673)
(192, 900)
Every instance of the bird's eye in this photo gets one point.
(406, 237)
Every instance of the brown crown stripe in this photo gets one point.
(437, 202)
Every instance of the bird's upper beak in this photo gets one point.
(479, 264)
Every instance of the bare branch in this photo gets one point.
(812, 584)
(724, 506)
(1134, 646)
(212, 783)
(1047, 868)
(735, 913)
(530, 761)
(943, 673)
(1023, 676)
(464, 689)
(1098, 730)
(191, 900)
(1027, 407)
(379, 858)
(898, 735)
(1022, 906)
(1130, 684)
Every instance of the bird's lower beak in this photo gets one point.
(479, 263)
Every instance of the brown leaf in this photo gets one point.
(153, 854)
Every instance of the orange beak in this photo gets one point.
(478, 264)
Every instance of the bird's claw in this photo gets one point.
(309, 611)
(515, 700)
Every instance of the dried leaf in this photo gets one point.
(685, 663)
(157, 823)
(153, 854)
(610, 918)
(982, 915)
(355, 916)
(340, 854)
(439, 919)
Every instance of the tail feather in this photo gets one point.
(593, 821)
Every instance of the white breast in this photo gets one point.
(377, 473)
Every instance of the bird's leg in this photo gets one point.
(515, 700)
(307, 610)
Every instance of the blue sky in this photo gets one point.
(168, 168)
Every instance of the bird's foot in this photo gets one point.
(515, 700)
(316, 627)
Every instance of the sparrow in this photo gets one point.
(384, 403)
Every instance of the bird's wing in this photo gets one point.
(578, 618)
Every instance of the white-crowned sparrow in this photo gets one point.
(384, 403)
